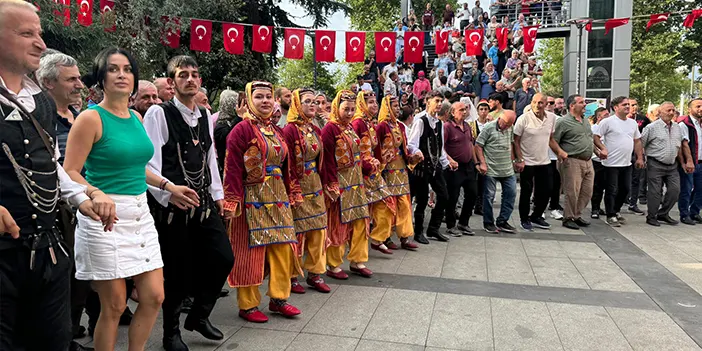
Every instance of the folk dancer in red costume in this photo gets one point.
(304, 141)
(258, 195)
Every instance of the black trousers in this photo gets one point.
(479, 196)
(462, 178)
(197, 257)
(555, 176)
(638, 186)
(419, 189)
(598, 187)
(536, 180)
(34, 303)
(618, 185)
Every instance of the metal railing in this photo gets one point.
(544, 12)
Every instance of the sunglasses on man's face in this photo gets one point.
(551, 102)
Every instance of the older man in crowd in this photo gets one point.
(165, 87)
(532, 132)
(690, 201)
(146, 96)
(523, 96)
(665, 150)
(621, 138)
(494, 150)
(202, 100)
(572, 142)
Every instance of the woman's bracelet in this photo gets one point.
(163, 184)
(90, 194)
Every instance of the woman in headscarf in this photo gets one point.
(227, 118)
(258, 194)
(342, 178)
(363, 125)
(304, 141)
(394, 159)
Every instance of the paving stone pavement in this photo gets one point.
(630, 288)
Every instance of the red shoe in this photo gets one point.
(391, 245)
(341, 275)
(408, 245)
(253, 315)
(364, 272)
(317, 283)
(284, 308)
(382, 249)
(296, 287)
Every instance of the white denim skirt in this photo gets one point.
(131, 248)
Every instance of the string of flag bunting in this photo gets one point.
(325, 40)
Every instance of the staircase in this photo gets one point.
(431, 50)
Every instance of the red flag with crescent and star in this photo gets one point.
(442, 45)
(355, 46)
(233, 36)
(294, 43)
(414, 47)
(502, 38)
(85, 12)
(171, 32)
(691, 18)
(474, 42)
(63, 12)
(385, 47)
(657, 18)
(614, 23)
(262, 39)
(325, 45)
(530, 38)
(108, 17)
(200, 35)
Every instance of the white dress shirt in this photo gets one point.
(416, 133)
(157, 129)
(71, 191)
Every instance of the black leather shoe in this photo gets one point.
(420, 238)
(652, 221)
(75, 346)
(223, 293)
(697, 218)
(666, 219)
(570, 224)
(581, 222)
(687, 220)
(205, 328)
(174, 342)
(434, 233)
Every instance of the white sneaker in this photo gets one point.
(557, 215)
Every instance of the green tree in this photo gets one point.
(300, 73)
(372, 15)
(550, 51)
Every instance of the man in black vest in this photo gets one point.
(427, 136)
(690, 200)
(196, 252)
(35, 265)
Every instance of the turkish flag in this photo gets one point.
(233, 35)
(442, 45)
(385, 47)
(200, 35)
(588, 26)
(325, 46)
(502, 38)
(85, 12)
(355, 46)
(474, 42)
(171, 32)
(414, 47)
(64, 10)
(530, 38)
(108, 16)
(262, 39)
(614, 23)
(294, 43)
(691, 18)
(657, 18)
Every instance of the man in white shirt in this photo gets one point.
(34, 265)
(622, 137)
(690, 200)
(194, 244)
(427, 137)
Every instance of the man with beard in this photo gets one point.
(165, 88)
(196, 251)
(283, 97)
(690, 200)
(559, 109)
(146, 96)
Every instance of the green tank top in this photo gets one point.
(117, 162)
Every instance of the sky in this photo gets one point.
(338, 21)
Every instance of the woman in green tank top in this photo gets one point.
(118, 240)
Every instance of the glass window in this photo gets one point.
(599, 74)
(601, 9)
(599, 45)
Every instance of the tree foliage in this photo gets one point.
(300, 73)
(550, 52)
(373, 15)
